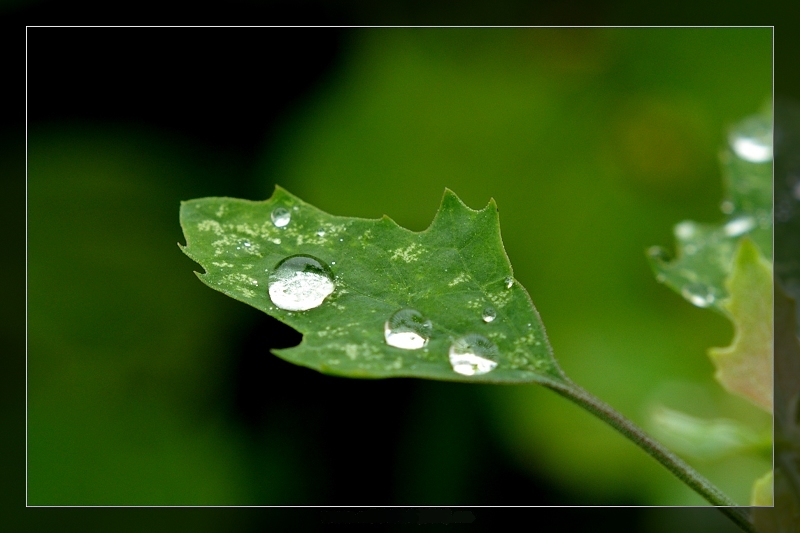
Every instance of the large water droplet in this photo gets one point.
(281, 217)
(752, 140)
(300, 283)
(699, 294)
(469, 355)
(407, 329)
(739, 226)
(685, 230)
(489, 314)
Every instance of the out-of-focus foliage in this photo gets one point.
(745, 367)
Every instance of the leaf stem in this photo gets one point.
(675, 464)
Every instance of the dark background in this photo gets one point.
(232, 110)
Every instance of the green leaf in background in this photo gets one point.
(372, 299)
(706, 439)
(762, 491)
(745, 367)
(705, 251)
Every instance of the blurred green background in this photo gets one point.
(147, 388)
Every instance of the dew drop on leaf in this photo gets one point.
(281, 217)
(470, 355)
(685, 230)
(489, 314)
(407, 329)
(698, 294)
(726, 207)
(509, 282)
(739, 226)
(751, 140)
(299, 283)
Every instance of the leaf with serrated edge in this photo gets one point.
(745, 367)
(705, 251)
(449, 272)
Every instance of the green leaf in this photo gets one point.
(455, 275)
(762, 491)
(705, 251)
(745, 367)
(705, 439)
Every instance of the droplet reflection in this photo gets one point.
(470, 355)
(300, 283)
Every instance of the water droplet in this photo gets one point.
(509, 282)
(320, 233)
(295, 208)
(726, 207)
(246, 244)
(407, 329)
(698, 294)
(685, 230)
(469, 355)
(489, 314)
(751, 140)
(333, 262)
(281, 217)
(341, 240)
(739, 226)
(300, 283)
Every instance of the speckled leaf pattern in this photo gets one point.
(451, 274)
(705, 252)
(745, 367)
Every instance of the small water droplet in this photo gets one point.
(685, 230)
(295, 208)
(751, 140)
(489, 314)
(281, 217)
(509, 282)
(333, 262)
(726, 207)
(469, 355)
(246, 244)
(739, 226)
(320, 233)
(341, 240)
(407, 329)
(530, 325)
(299, 283)
(698, 294)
